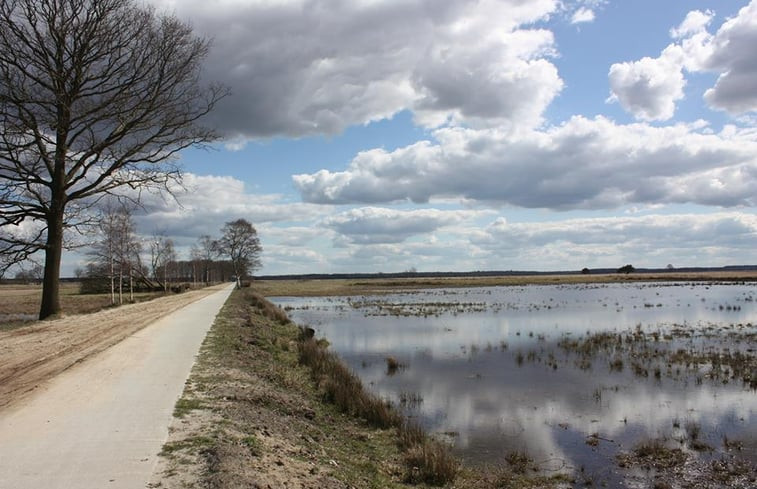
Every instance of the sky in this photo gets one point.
(459, 135)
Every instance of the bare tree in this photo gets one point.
(239, 241)
(205, 251)
(31, 273)
(162, 253)
(95, 96)
(116, 252)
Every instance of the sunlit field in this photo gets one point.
(19, 304)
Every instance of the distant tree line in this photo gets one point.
(122, 263)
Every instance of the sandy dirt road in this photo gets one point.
(101, 423)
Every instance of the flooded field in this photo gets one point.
(612, 383)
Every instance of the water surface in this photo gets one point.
(489, 370)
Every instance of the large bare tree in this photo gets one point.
(96, 96)
(240, 243)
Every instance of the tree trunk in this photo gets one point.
(112, 280)
(51, 281)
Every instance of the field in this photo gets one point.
(19, 304)
(341, 287)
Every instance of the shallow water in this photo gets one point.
(484, 367)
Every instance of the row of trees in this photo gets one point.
(121, 260)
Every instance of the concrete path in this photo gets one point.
(102, 423)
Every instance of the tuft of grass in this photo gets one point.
(392, 365)
(518, 461)
(410, 434)
(194, 443)
(185, 406)
(430, 462)
(653, 453)
(253, 444)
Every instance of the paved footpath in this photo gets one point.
(101, 424)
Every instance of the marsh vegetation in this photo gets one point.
(585, 380)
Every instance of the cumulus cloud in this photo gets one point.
(301, 67)
(733, 55)
(582, 164)
(381, 225)
(645, 240)
(649, 88)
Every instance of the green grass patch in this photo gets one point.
(184, 406)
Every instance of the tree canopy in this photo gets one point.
(239, 241)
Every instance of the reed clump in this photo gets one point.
(427, 461)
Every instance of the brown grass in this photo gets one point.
(268, 309)
(23, 301)
(430, 462)
(341, 287)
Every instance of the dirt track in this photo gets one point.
(31, 355)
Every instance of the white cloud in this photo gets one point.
(582, 15)
(733, 55)
(684, 239)
(381, 225)
(695, 22)
(206, 202)
(582, 164)
(650, 87)
(305, 67)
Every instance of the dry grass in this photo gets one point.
(19, 304)
(342, 287)
(431, 462)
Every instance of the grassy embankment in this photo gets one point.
(267, 406)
